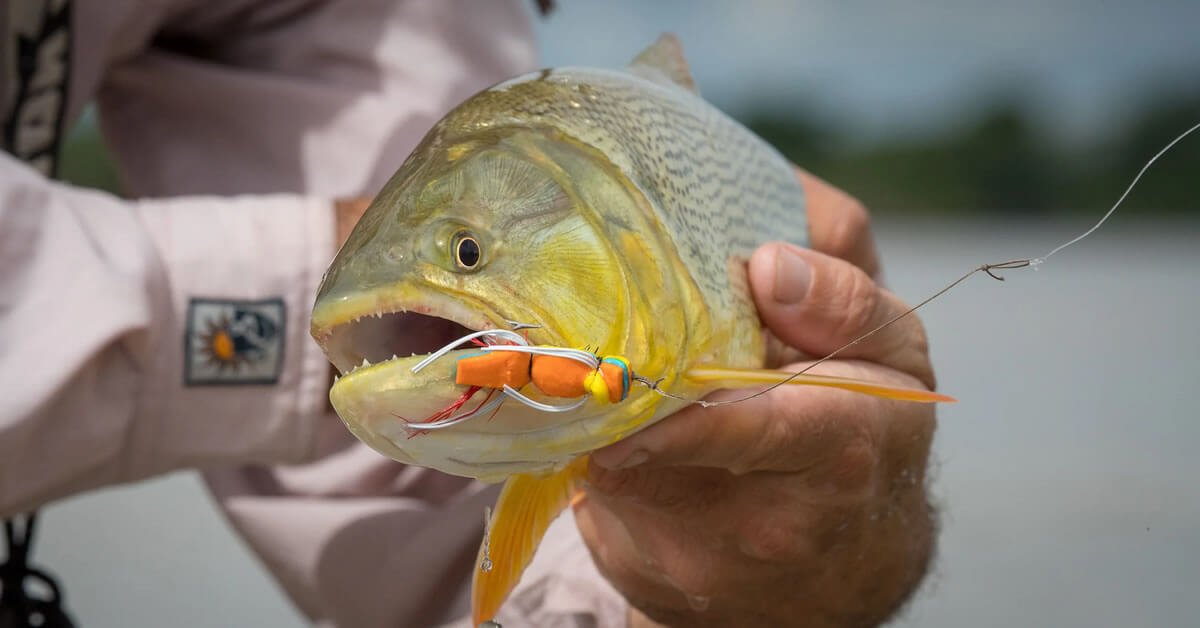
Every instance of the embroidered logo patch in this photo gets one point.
(233, 342)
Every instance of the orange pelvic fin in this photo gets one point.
(526, 506)
(736, 377)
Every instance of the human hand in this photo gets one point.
(804, 506)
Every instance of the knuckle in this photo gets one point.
(855, 301)
(669, 495)
(617, 483)
(855, 222)
(677, 490)
(771, 448)
(775, 537)
(919, 337)
(910, 344)
(852, 462)
(851, 232)
(928, 375)
(855, 467)
(923, 369)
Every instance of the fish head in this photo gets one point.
(481, 227)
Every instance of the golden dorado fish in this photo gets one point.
(612, 210)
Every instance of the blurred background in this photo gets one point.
(976, 131)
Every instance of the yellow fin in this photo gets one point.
(524, 510)
(733, 377)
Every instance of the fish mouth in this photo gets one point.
(380, 397)
(373, 330)
(383, 337)
(374, 340)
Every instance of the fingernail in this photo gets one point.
(635, 457)
(792, 276)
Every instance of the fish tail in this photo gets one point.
(524, 510)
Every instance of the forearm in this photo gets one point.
(96, 335)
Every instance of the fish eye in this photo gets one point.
(466, 250)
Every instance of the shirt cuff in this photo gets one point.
(235, 376)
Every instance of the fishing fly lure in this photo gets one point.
(506, 362)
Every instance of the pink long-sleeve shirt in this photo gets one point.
(233, 125)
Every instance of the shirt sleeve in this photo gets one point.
(233, 122)
(169, 330)
(327, 98)
(95, 299)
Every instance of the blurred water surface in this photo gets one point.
(1067, 475)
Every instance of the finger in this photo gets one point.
(818, 304)
(791, 430)
(838, 224)
(633, 566)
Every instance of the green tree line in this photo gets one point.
(999, 163)
(1002, 163)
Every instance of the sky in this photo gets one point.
(904, 67)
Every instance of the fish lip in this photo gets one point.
(334, 322)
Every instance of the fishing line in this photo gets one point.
(1129, 189)
(989, 269)
(494, 340)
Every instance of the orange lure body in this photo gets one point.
(553, 375)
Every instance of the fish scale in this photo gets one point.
(617, 209)
(605, 209)
(720, 190)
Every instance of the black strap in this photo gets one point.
(29, 597)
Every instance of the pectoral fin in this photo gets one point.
(524, 510)
(735, 377)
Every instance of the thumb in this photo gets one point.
(817, 304)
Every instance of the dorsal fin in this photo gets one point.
(663, 63)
